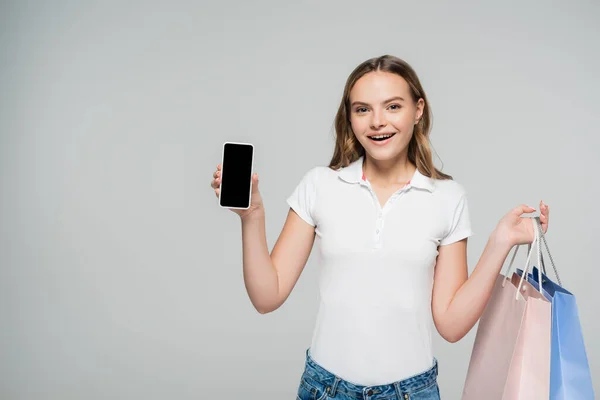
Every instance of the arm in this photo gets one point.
(270, 278)
(458, 301)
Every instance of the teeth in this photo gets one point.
(381, 136)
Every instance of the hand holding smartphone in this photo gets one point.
(233, 180)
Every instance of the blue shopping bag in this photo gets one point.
(570, 376)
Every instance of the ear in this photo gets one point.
(420, 107)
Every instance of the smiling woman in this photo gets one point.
(393, 235)
(384, 96)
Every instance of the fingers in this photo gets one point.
(216, 185)
(523, 208)
(544, 216)
(216, 182)
(217, 175)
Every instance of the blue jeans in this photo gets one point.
(319, 384)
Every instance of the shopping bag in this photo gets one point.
(510, 359)
(570, 376)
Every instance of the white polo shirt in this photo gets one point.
(374, 324)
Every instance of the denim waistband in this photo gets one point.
(394, 390)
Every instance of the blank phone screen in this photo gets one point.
(236, 175)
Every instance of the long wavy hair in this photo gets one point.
(348, 149)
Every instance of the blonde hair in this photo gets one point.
(348, 149)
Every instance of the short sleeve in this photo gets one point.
(302, 200)
(460, 222)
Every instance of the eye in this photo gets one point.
(358, 110)
(396, 105)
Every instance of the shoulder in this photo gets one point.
(450, 189)
(450, 194)
(454, 205)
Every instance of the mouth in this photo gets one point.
(381, 138)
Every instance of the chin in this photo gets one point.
(384, 154)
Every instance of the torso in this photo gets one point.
(377, 248)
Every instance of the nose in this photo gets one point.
(378, 120)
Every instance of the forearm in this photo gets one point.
(260, 275)
(470, 300)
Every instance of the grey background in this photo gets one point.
(121, 277)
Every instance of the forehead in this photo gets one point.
(379, 85)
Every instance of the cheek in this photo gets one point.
(359, 125)
(403, 121)
(359, 128)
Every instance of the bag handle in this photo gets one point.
(543, 264)
(512, 260)
(527, 263)
(536, 242)
(543, 237)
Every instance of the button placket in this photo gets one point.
(379, 220)
(379, 225)
(381, 211)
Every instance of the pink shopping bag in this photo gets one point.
(511, 354)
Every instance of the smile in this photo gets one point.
(381, 139)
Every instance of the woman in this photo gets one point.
(393, 236)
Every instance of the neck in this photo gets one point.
(395, 171)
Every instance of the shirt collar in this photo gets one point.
(353, 173)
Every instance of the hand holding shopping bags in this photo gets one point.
(511, 354)
(570, 376)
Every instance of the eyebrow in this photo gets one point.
(383, 102)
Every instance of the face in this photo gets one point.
(381, 104)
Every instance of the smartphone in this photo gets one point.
(236, 175)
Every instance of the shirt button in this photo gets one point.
(370, 392)
(377, 231)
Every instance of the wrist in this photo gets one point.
(255, 214)
(501, 240)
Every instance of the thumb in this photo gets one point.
(523, 208)
(255, 183)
